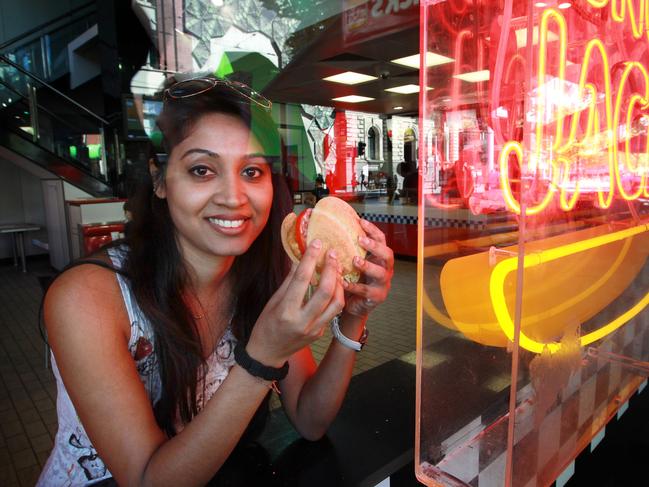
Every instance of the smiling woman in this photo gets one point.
(191, 321)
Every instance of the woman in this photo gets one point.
(162, 365)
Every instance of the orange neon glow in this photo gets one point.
(562, 143)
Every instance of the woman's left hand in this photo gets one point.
(376, 273)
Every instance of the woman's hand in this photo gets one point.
(288, 323)
(376, 273)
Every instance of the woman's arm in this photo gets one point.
(88, 329)
(312, 395)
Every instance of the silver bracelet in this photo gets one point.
(345, 341)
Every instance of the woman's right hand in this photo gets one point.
(288, 323)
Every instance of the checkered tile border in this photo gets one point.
(429, 221)
(543, 445)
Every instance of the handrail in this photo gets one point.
(47, 24)
(33, 76)
(40, 107)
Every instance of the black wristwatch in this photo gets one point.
(256, 368)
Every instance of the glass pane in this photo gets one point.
(536, 134)
(583, 168)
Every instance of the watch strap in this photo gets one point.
(257, 369)
(346, 341)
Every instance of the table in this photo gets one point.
(17, 231)
(371, 439)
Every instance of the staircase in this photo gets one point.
(49, 129)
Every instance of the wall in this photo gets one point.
(21, 200)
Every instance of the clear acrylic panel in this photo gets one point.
(533, 258)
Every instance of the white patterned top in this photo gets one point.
(74, 461)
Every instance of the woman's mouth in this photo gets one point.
(229, 226)
(226, 223)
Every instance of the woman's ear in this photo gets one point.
(158, 180)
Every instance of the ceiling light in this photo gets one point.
(474, 76)
(521, 37)
(349, 78)
(352, 99)
(432, 59)
(397, 108)
(404, 89)
(540, 4)
(564, 5)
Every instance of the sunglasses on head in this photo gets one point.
(195, 86)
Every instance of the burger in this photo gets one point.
(335, 224)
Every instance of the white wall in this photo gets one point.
(74, 193)
(21, 201)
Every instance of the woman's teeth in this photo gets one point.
(227, 223)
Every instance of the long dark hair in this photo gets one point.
(158, 274)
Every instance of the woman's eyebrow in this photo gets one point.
(200, 151)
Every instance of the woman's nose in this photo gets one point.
(231, 192)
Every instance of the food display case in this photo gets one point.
(533, 330)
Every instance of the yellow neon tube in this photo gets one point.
(503, 268)
(510, 200)
(567, 205)
(548, 15)
(616, 121)
(619, 15)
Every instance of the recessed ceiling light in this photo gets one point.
(540, 4)
(474, 76)
(349, 78)
(521, 37)
(404, 89)
(352, 98)
(397, 108)
(432, 59)
(565, 5)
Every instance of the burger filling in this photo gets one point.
(301, 226)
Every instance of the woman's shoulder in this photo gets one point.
(87, 293)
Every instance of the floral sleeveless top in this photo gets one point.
(74, 461)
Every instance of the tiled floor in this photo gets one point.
(28, 392)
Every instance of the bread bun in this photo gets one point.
(337, 226)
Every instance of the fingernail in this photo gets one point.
(345, 284)
(358, 261)
(317, 243)
(333, 254)
(363, 240)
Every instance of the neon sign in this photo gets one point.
(556, 154)
(503, 268)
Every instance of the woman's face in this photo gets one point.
(218, 188)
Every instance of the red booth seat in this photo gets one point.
(95, 236)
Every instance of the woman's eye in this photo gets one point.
(200, 171)
(253, 172)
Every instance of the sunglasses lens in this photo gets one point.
(190, 87)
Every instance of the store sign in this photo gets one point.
(602, 132)
(370, 19)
